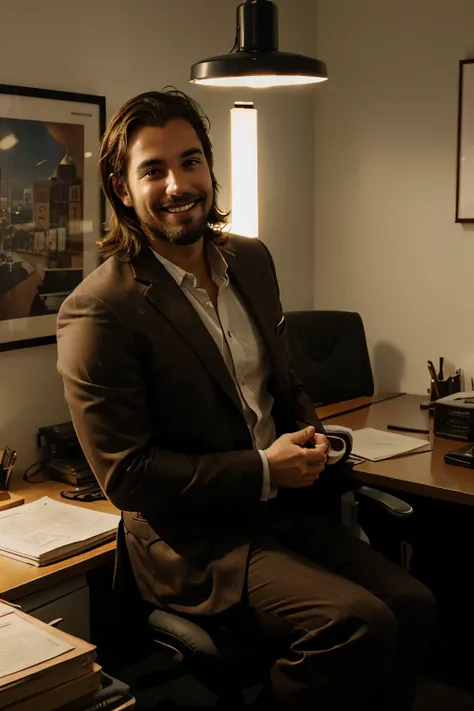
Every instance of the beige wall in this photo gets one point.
(386, 243)
(119, 48)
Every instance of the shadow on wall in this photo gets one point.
(388, 365)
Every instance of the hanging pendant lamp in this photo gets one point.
(257, 62)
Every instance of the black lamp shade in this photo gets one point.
(258, 70)
(258, 63)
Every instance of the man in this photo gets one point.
(176, 371)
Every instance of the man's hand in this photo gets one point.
(292, 466)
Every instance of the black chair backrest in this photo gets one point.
(329, 354)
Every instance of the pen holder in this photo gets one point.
(446, 387)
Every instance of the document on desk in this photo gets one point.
(376, 445)
(47, 530)
(23, 646)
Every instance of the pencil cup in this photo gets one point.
(445, 387)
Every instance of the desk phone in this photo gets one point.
(462, 457)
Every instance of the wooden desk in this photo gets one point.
(342, 408)
(425, 473)
(19, 579)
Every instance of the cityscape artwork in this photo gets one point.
(51, 210)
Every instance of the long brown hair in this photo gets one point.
(124, 236)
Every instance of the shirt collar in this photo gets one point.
(217, 263)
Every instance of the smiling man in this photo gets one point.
(176, 370)
(164, 211)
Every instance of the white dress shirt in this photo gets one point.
(241, 347)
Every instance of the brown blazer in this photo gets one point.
(161, 424)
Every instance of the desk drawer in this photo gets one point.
(69, 600)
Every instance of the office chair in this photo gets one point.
(225, 653)
(226, 657)
(329, 354)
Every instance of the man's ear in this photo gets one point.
(121, 191)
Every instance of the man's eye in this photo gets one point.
(153, 173)
(191, 163)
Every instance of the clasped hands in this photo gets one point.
(294, 466)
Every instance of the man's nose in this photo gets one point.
(175, 183)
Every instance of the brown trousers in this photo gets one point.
(350, 628)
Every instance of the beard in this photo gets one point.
(182, 235)
(189, 232)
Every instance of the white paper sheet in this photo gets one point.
(375, 445)
(23, 645)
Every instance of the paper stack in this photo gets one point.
(46, 531)
(41, 667)
(45, 669)
(376, 445)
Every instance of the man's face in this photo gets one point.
(169, 182)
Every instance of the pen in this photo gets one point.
(441, 372)
(3, 467)
(434, 379)
(9, 471)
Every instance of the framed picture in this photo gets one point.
(465, 166)
(52, 210)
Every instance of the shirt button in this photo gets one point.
(229, 334)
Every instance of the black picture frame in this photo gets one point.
(465, 143)
(48, 232)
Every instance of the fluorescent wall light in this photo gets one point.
(244, 159)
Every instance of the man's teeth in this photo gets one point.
(182, 208)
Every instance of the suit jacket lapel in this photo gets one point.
(244, 275)
(165, 295)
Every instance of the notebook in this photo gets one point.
(46, 531)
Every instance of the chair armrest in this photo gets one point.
(395, 506)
